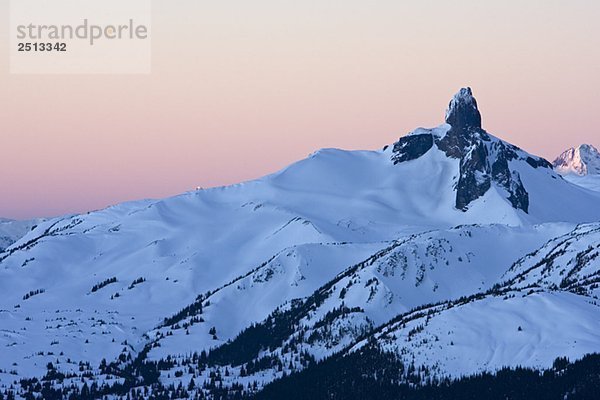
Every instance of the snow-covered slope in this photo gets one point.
(518, 328)
(436, 304)
(11, 230)
(411, 271)
(314, 257)
(568, 262)
(591, 182)
(109, 313)
(545, 306)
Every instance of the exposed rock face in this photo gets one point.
(538, 163)
(411, 147)
(462, 112)
(484, 159)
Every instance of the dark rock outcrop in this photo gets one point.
(538, 163)
(462, 111)
(411, 147)
(483, 161)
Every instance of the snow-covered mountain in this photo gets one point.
(581, 166)
(249, 282)
(487, 173)
(583, 160)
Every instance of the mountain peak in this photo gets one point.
(462, 111)
(582, 160)
(484, 161)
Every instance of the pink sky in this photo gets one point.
(241, 89)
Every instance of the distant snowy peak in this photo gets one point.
(484, 160)
(583, 160)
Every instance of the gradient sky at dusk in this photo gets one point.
(240, 89)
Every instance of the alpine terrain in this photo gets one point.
(444, 264)
(580, 165)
